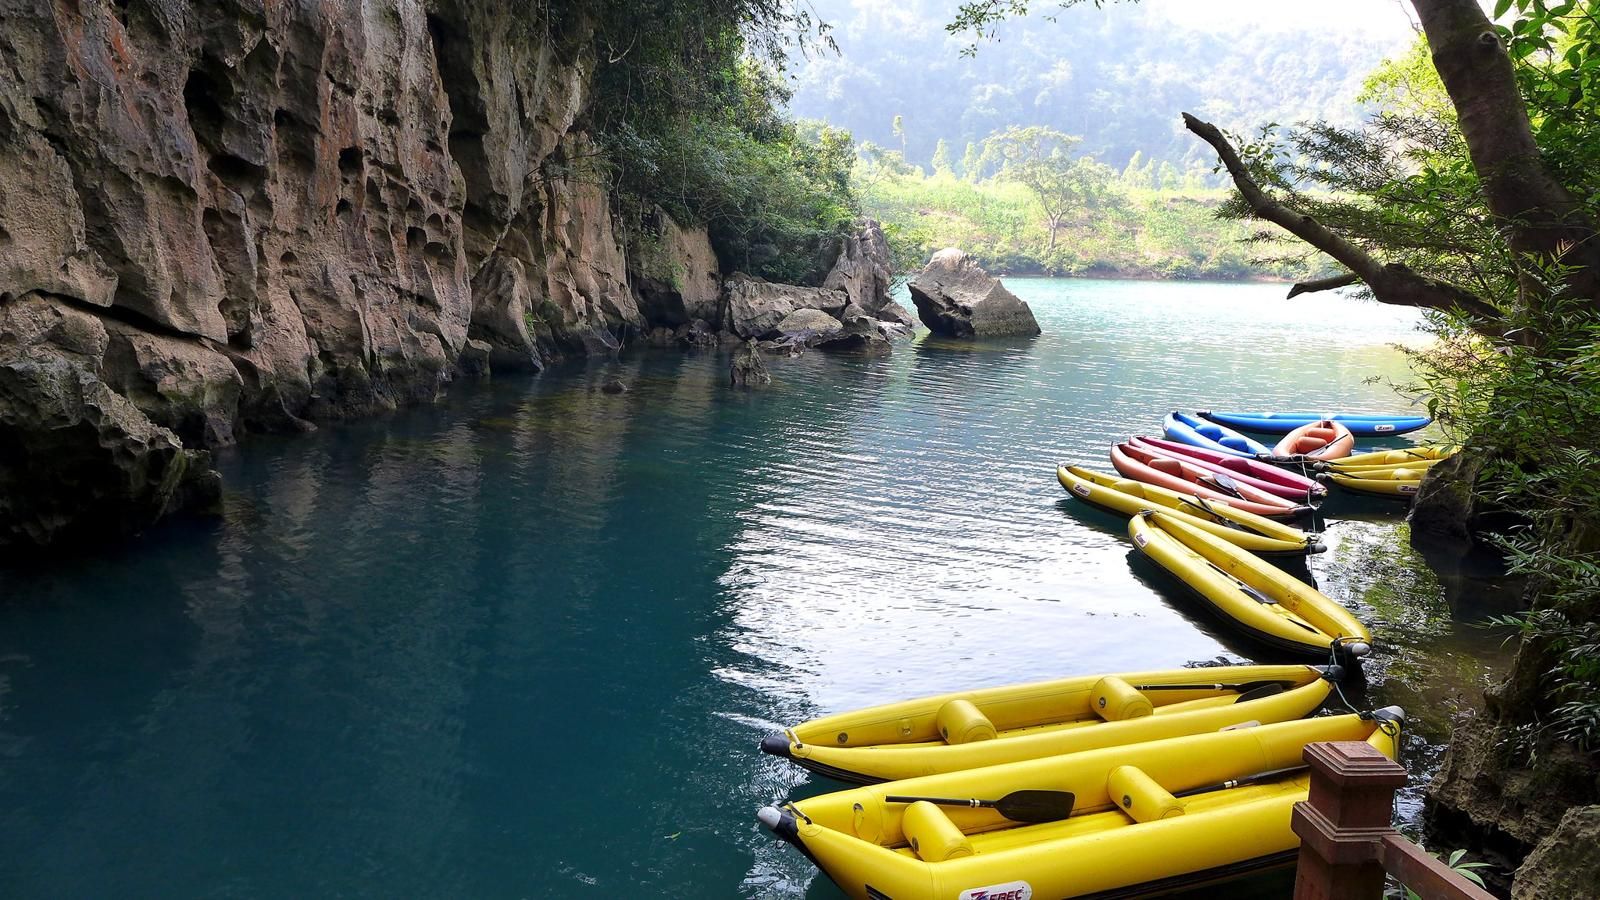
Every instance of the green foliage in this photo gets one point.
(688, 111)
(1528, 401)
(1040, 160)
(1141, 233)
(1403, 184)
(1466, 870)
(1118, 79)
(1556, 47)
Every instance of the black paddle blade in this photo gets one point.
(1257, 690)
(1036, 806)
(1226, 482)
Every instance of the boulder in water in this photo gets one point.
(756, 306)
(748, 369)
(956, 297)
(808, 325)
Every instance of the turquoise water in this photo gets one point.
(524, 642)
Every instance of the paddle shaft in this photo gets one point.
(1019, 806)
(1241, 782)
(945, 801)
(1242, 686)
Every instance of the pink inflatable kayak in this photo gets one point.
(1144, 465)
(1268, 477)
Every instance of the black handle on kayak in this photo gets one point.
(1238, 582)
(1018, 806)
(1242, 782)
(1242, 687)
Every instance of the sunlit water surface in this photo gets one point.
(523, 643)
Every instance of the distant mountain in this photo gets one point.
(1119, 77)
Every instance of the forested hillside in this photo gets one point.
(1117, 77)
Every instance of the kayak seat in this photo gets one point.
(1138, 795)
(931, 834)
(1325, 435)
(1167, 466)
(1115, 700)
(960, 722)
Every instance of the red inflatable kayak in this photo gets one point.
(1144, 465)
(1268, 477)
(1323, 440)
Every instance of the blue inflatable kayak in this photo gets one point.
(1186, 429)
(1360, 424)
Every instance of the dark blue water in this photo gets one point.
(523, 643)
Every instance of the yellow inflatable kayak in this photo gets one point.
(1401, 484)
(1417, 464)
(1145, 816)
(989, 726)
(1257, 534)
(1433, 452)
(1269, 604)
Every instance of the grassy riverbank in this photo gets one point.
(1135, 233)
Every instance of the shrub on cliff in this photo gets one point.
(688, 106)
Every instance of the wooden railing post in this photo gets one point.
(1343, 824)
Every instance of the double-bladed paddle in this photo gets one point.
(1053, 806)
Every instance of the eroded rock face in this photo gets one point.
(1564, 864)
(281, 213)
(78, 459)
(675, 273)
(268, 215)
(864, 269)
(954, 296)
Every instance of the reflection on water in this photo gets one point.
(524, 642)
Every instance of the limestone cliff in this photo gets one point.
(247, 215)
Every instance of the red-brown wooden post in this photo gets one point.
(1343, 824)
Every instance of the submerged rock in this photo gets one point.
(956, 297)
(613, 386)
(747, 368)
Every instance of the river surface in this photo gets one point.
(523, 643)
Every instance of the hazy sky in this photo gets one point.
(1388, 18)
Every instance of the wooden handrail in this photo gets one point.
(1425, 873)
(1348, 845)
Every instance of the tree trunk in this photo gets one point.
(1540, 217)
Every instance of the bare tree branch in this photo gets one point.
(1323, 284)
(1392, 283)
